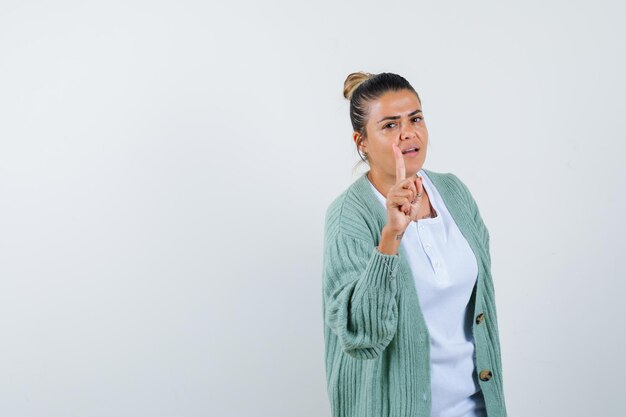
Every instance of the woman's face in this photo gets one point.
(396, 117)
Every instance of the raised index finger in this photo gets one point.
(400, 169)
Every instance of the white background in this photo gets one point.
(165, 168)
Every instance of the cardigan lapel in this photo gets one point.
(458, 209)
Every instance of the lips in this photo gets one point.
(411, 149)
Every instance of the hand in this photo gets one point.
(402, 199)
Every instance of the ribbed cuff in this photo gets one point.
(383, 265)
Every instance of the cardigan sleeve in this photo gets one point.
(359, 288)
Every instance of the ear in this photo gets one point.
(355, 137)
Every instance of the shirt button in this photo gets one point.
(421, 227)
(480, 318)
(428, 245)
(485, 375)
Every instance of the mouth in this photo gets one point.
(411, 151)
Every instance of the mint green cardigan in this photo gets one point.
(377, 347)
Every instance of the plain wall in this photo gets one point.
(165, 168)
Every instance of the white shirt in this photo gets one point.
(445, 270)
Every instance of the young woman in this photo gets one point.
(410, 322)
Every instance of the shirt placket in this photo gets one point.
(426, 232)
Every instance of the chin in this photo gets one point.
(413, 169)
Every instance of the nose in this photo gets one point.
(407, 132)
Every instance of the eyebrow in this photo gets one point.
(397, 117)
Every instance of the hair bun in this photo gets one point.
(353, 81)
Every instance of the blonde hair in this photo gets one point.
(353, 81)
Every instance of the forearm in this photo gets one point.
(389, 241)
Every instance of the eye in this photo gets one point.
(418, 117)
(387, 125)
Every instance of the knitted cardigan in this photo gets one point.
(377, 346)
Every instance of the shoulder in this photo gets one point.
(349, 214)
(458, 194)
(448, 182)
